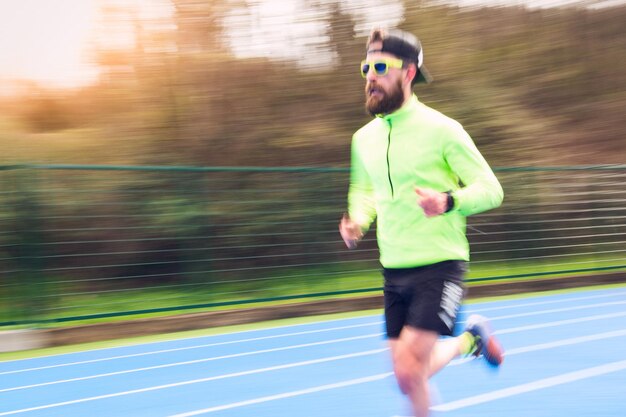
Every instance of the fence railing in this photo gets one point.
(84, 242)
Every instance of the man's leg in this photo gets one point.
(411, 354)
(417, 355)
(447, 349)
(477, 339)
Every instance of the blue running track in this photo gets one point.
(565, 357)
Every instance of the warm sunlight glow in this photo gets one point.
(46, 41)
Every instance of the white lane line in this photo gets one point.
(560, 323)
(196, 381)
(287, 395)
(196, 361)
(533, 386)
(156, 352)
(238, 332)
(453, 405)
(566, 342)
(554, 310)
(539, 303)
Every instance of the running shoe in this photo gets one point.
(486, 343)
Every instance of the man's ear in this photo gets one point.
(411, 72)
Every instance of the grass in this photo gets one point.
(70, 310)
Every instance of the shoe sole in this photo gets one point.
(493, 352)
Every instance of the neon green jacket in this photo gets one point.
(417, 146)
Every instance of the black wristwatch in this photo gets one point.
(450, 202)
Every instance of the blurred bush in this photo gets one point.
(538, 82)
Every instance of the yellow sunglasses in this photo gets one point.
(380, 66)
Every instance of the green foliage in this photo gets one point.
(537, 81)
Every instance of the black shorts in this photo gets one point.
(426, 297)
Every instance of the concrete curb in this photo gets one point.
(24, 339)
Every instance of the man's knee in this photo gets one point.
(410, 371)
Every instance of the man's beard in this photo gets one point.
(390, 102)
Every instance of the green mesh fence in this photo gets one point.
(82, 242)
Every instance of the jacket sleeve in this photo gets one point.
(361, 202)
(480, 190)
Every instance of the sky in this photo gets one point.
(536, 3)
(42, 40)
(49, 41)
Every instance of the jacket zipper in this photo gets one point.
(388, 163)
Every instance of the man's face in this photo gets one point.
(384, 94)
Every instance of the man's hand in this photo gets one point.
(350, 231)
(432, 202)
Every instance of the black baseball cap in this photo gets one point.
(405, 46)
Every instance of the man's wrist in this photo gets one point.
(449, 202)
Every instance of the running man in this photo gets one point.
(419, 174)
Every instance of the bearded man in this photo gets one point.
(419, 175)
